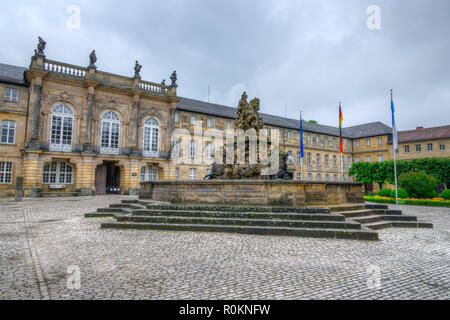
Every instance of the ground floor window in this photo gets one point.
(57, 172)
(5, 172)
(192, 173)
(149, 173)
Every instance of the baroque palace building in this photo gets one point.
(77, 130)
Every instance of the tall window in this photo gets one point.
(380, 141)
(229, 125)
(210, 122)
(57, 172)
(11, 95)
(430, 147)
(193, 120)
(334, 161)
(327, 178)
(177, 117)
(319, 177)
(310, 177)
(209, 150)
(418, 148)
(290, 159)
(192, 173)
(149, 173)
(357, 143)
(151, 138)
(110, 133)
(368, 142)
(5, 172)
(308, 158)
(8, 131)
(318, 159)
(192, 148)
(61, 128)
(326, 160)
(299, 157)
(349, 162)
(177, 173)
(407, 149)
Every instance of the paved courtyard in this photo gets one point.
(45, 242)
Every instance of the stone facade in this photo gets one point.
(61, 151)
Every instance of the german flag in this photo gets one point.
(341, 118)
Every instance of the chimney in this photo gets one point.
(419, 128)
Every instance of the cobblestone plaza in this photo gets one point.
(43, 241)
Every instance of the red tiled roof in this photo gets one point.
(424, 134)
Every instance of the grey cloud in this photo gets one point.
(306, 54)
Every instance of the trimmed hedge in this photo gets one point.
(402, 194)
(424, 202)
(385, 192)
(446, 194)
(418, 185)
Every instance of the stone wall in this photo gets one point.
(254, 192)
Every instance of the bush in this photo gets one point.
(402, 194)
(446, 194)
(385, 192)
(418, 185)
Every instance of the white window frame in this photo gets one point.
(192, 149)
(210, 122)
(380, 141)
(368, 142)
(192, 174)
(177, 117)
(193, 120)
(334, 161)
(57, 169)
(109, 149)
(177, 173)
(368, 159)
(406, 149)
(149, 173)
(318, 159)
(327, 160)
(229, 125)
(357, 144)
(60, 139)
(308, 158)
(418, 148)
(6, 172)
(429, 147)
(9, 128)
(441, 146)
(150, 138)
(209, 150)
(11, 95)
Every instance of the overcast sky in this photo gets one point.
(307, 55)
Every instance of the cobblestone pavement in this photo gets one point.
(41, 239)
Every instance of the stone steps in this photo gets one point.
(241, 222)
(240, 208)
(249, 215)
(256, 230)
(352, 221)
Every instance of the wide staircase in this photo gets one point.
(358, 222)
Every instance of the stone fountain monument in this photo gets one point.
(245, 183)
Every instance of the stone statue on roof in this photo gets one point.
(137, 70)
(93, 60)
(173, 78)
(40, 47)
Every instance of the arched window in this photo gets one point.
(61, 130)
(57, 172)
(149, 173)
(110, 133)
(151, 138)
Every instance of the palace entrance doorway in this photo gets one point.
(107, 178)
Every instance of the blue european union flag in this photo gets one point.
(301, 137)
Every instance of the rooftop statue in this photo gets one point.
(137, 70)
(173, 78)
(40, 47)
(93, 60)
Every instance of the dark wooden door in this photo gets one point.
(100, 179)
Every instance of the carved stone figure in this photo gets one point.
(163, 83)
(40, 47)
(93, 60)
(247, 118)
(173, 78)
(137, 70)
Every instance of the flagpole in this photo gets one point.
(393, 146)
(301, 142)
(341, 142)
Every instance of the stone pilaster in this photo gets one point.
(37, 91)
(90, 115)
